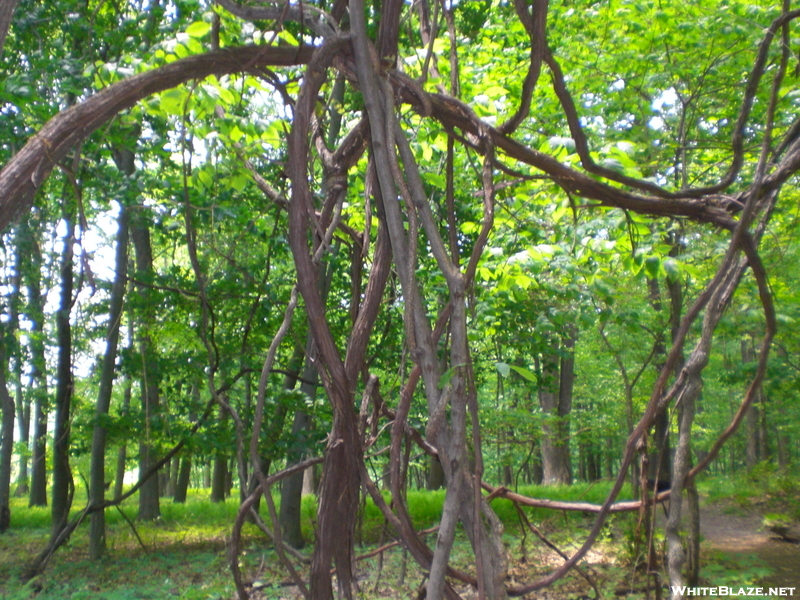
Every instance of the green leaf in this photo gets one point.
(672, 268)
(172, 101)
(525, 373)
(198, 29)
(652, 265)
(205, 178)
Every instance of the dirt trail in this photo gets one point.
(742, 534)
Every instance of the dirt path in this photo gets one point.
(734, 533)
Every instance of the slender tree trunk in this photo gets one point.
(149, 507)
(38, 495)
(31, 268)
(693, 535)
(16, 365)
(275, 428)
(127, 393)
(659, 451)
(62, 475)
(676, 555)
(122, 453)
(219, 477)
(219, 474)
(292, 487)
(185, 472)
(182, 484)
(97, 477)
(23, 409)
(435, 479)
(763, 430)
(781, 448)
(6, 438)
(174, 470)
(7, 8)
(753, 418)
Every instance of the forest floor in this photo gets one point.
(187, 562)
(738, 533)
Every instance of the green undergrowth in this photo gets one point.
(426, 507)
(184, 553)
(766, 488)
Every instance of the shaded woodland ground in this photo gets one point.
(739, 533)
(185, 554)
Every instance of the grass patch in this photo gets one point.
(186, 553)
(766, 488)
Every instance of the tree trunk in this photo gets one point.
(658, 463)
(38, 495)
(781, 448)
(555, 398)
(693, 535)
(7, 9)
(763, 429)
(338, 506)
(275, 428)
(182, 485)
(219, 473)
(310, 481)
(292, 487)
(16, 366)
(62, 475)
(23, 409)
(7, 437)
(31, 266)
(753, 418)
(174, 473)
(149, 507)
(97, 474)
(435, 479)
(219, 478)
(122, 453)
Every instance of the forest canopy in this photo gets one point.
(468, 244)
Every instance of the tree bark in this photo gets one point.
(7, 8)
(555, 398)
(6, 437)
(31, 270)
(435, 479)
(219, 474)
(753, 429)
(97, 474)
(184, 475)
(62, 475)
(149, 507)
(292, 486)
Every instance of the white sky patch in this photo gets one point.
(663, 104)
(100, 241)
